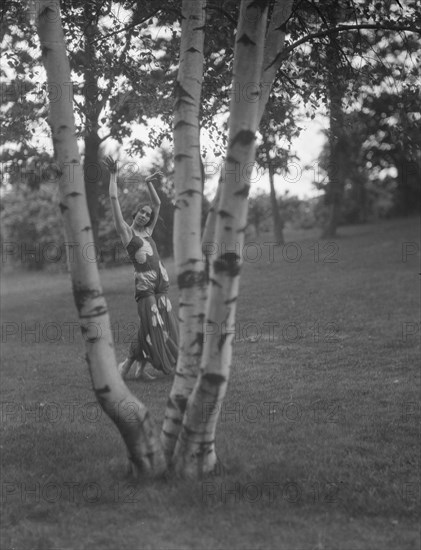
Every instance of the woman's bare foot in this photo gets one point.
(140, 373)
(124, 367)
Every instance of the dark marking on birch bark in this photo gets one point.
(214, 282)
(74, 194)
(181, 402)
(170, 435)
(231, 160)
(214, 379)
(182, 123)
(246, 40)
(190, 278)
(43, 12)
(230, 301)
(191, 261)
(243, 192)
(190, 192)
(202, 28)
(45, 50)
(224, 214)
(170, 404)
(185, 304)
(96, 312)
(198, 341)
(189, 432)
(63, 207)
(87, 228)
(242, 229)
(244, 138)
(62, 127)
(82, 294)
(193, 50)
(222, 340)
(205, 448)
(100, 391)
(228, 263)
(182, 156)
(181, 92)
(227, 228)
(260, 4)
(183, 201)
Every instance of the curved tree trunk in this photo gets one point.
(129, 414)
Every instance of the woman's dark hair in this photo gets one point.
(151, 219)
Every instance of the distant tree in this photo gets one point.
(259, 211)
(381, 161)
(32, 232)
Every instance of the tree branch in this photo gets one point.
(128, 27)
(342, 28)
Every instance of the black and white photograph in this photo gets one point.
(210, 274)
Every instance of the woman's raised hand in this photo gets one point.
(111, 164)
(156, 175)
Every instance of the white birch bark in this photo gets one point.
(274, 44)
(187, 219)
(128, 413)
(195, 450)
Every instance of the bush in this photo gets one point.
(32, 229)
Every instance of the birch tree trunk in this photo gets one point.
(91, 167)
(272, 60)
(195, 454)
(187, 217)
(128, 413)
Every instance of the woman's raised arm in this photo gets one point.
(156, 201)
(123, 229)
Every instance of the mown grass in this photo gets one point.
(319, 433)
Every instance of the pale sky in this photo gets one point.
(298, 181)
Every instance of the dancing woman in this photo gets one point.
(157, 341)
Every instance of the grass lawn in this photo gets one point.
(319, 432)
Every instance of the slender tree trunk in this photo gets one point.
(91, 166)
(195, 450)
(129, 414)
(274, 44)
(335, 92)
(187, 217)
(278, 225)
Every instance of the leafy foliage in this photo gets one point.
(32, 231)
